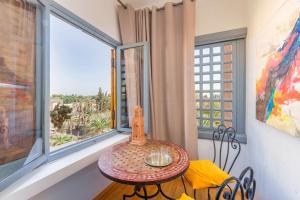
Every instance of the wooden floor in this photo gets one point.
(173, 189)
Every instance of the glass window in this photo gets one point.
(217, 89)
(80, 85)
(21, 140)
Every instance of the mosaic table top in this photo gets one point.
(124, 163)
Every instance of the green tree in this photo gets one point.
(99, 124)
(103, 101)
(59, 115)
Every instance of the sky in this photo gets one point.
(79, 63)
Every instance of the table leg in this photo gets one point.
(145, 193)
(161, 191)
(136, 188)
(136, 192)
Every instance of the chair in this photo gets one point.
(221, 165)
(246, 184)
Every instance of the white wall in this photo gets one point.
(83, 185)
(273, 154)
(100, 13)
(211, 15)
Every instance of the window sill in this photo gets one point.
(242, 138)
(51, 173)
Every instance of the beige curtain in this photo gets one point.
(171, 32)
(134, 27)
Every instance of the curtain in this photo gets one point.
(171, 33)
(134, 27)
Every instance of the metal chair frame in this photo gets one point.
(246, 184)
(224, 135)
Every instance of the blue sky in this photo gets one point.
(79, 63)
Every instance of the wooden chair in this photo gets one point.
(229, 145)
(245, 185)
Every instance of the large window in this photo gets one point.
(57, 85)
(219, 86)
(80, 85)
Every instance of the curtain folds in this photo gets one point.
(171, 33)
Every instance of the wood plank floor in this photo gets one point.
(173, 189)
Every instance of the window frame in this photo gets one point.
(53, 8)
(145, 46)
(237, 36)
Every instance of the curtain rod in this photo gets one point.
(162, 8)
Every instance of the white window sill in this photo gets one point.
(51, 173)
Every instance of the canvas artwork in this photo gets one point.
(278, 78)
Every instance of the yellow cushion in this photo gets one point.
(185, 197)
(204, 173)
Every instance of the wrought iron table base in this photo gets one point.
(146, 196)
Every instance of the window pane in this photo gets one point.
(206, 96)
(206, 123)
(217, 59)
(217, 95)
(197, 52)
(197, 104)
(227, 48)
(216, 105)
(80, 85)
(227, 86)
(197, 78)
(227, 95)
(217, 77)
(206, 87)
(217, 86)
(197, 95)
(227, 76)
(228, 58)
(217, 114)
(216, 68)
(197, 87)
(20, 127)
(206, 77)
(206, 68)
(206, 60)
(227, 105)
(197, 61)
(206, 105)
(205, 114)
(206, 51)
(197, 69)
(228, 67)
(228, 124)
(227, 115)
(216, 50)
(216, 124)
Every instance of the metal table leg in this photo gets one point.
(137, 189)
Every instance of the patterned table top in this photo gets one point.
(124, 163)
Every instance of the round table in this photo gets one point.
(124, 163)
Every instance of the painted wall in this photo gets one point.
(85, 184)
(211, 15)
(273, 154)
(100, 13)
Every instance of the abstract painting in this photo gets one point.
(278, 80)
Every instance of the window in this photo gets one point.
(21, 139)
(80, 85)
(57, 85)
(220, 86)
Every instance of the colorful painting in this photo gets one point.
(278, 81)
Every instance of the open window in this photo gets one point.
(132, 84)
(21, 60)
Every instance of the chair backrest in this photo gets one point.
(228, 145)
(245, 186)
